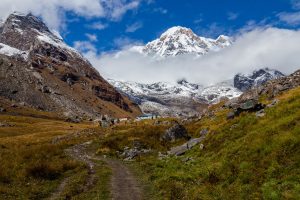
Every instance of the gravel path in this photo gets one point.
(124, 185)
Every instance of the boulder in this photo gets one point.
(250, 105)
(2, 109)
(193, 142)
(175, 132)
(230, 115)
(180, 150)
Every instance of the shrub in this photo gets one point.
(43, 170)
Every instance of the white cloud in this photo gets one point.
(212, 30)
(92, 37)
(161, 10)
(53, 11)
(117, 8)
(125, 42)
(270, 47)
(232, 16)
(97, 26)
(134, 27)
(292, 18)
(197, 21)
(84, 46)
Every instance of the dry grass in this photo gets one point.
(31, 166)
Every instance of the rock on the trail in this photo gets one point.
(129, 154)
(175, 132)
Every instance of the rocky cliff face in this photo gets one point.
(274, 87)
(258, 77)
(39, 69)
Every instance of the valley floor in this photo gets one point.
(248, 157)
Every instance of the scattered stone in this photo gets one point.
(5, 124)
(230, 115)
(137, 144)
(22, 104)
(260, 113)
(45, 89)
(201, 146)
(129, 154)
(185, 160)
(162, 156)
(75, 120)
(13, 106)
(204, 132)
(274, 102)
(175, 132)
(157, 123)
(233, 126)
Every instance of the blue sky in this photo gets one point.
(266, 34)
(147, 21)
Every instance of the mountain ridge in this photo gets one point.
(42, 71)
(159, 97)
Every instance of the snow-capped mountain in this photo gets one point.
(180, 40)
(40, 70)
(184, 98)
(246, 81)
(169, 99)
(214, 93)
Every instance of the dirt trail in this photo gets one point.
(78, 152)
(123, 183)
(124, 186)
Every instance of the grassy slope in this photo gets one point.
(32, 167)
(244, 158)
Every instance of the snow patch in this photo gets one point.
(11, 51)
(56, 42)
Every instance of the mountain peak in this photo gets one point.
(175, 30)
(180, 40)
(23, 21)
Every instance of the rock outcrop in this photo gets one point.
(174, 133)
(257, 78)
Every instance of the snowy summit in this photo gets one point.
(180, 40)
